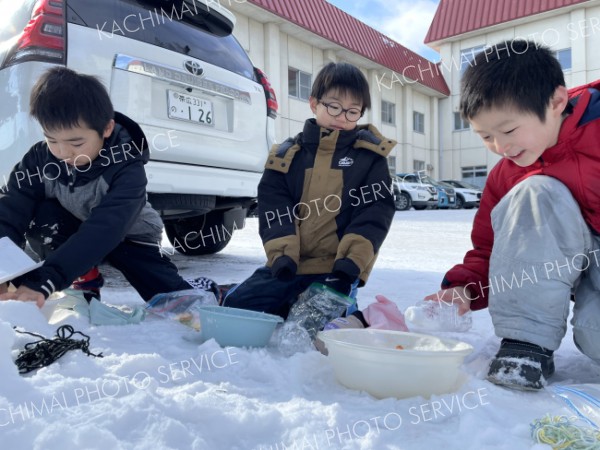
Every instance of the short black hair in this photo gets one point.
(516, 73)
(63, 98)
(345, 78)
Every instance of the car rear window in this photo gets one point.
(179, 25)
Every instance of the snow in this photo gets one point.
(158, 387)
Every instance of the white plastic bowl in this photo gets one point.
(368, 360)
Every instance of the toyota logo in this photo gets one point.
(193, 67)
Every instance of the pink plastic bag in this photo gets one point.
(384, 315)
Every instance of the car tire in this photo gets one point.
(403, 202)
(459, 202)
(419, 208)
(199, 235)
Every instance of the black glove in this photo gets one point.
(340, 282)
(284, 268)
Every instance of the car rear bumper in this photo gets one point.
(425, 203)
(188, 179)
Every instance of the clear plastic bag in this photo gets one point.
(317, 306)
(431, 315)
(582, 399)
(577, 426)
(182, 306)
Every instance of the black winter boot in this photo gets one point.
(521, 365)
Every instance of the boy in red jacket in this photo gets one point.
(536, 236)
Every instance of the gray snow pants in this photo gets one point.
(543, 252)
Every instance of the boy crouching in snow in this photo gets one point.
(89, 203)
(539, 213)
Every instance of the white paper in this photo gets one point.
(14, 261)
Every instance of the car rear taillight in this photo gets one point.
(44, 37)
(269, 93)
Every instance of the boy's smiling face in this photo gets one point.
(77, 146)
(335, 98)
(518, 136)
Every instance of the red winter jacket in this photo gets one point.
(574, 160)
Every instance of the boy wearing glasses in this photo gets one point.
(325, 201)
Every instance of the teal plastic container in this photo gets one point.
(236, 327)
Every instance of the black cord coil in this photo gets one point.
(44, 352)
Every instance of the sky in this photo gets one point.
(405, 21)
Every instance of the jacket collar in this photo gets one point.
(314, 135)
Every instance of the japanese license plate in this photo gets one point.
(189, 108)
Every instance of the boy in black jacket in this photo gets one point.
(325, 201)
(79, 197)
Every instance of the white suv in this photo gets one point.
(174, 67)
(413, 192)
(467, 195)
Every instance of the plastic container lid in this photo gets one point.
(237, 327)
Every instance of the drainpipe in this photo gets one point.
(441, 141)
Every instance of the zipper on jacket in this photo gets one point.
(72, 181)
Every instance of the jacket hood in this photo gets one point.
(129, 132)
(313, 133)
(362, 136)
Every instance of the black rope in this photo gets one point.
(44, 352)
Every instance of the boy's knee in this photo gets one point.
(586, 340)
(537, 188)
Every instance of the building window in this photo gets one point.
(392, 163)
(564, 58)
(388, 112)
(474, 171)
(459, 123)
(299, 84)
(475, 175)
(467, 56)
(418, 166)
(418, 122)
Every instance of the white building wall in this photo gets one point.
(274, 50)
(578, 29)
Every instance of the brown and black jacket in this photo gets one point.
(325, 201)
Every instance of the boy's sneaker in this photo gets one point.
(89, 284)
(341, 322)
(521, 365)
(205, 284)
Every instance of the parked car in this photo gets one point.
(175, 68)
(443, 198)
(446, 194)
(412, 191)
(468, 196)
(450, 192)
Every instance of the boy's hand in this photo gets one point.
(3, 288)
(459, 294)
(25, 294)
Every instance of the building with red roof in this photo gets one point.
(415, 101)
(461, 28)
(291, 40)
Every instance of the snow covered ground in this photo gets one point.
(157, 387)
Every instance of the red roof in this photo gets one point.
(333, 24)
(454, 17)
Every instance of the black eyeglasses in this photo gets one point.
(335, 109)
